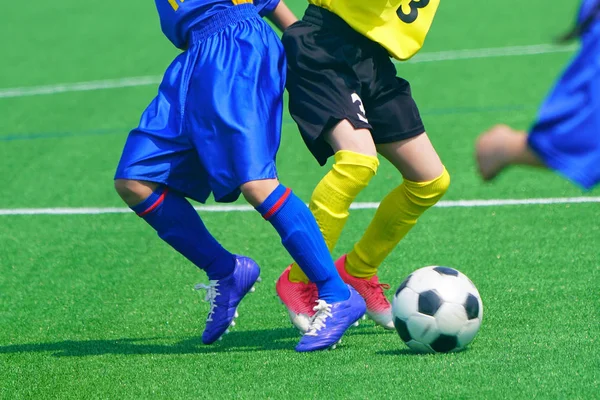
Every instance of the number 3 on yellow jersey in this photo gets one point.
(414, 11)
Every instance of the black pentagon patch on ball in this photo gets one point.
(429, 302)
(444, 343)
(446, 271)
(402, 329)
(403, 285)
(472, 307)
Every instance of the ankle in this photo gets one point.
(333, 290)
(357, 267)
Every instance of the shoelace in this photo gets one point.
(211, 293)
(380, 287)
(323, 311)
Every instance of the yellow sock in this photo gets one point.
(332, 197)
(396, 215)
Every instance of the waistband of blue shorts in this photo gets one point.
(222, 19)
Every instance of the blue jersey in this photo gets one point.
(178, 17)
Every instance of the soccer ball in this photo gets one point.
(437, 309)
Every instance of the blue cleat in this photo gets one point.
(224, 296)
(331, 321)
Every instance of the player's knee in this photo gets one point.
(441, 184)
(133, 192)
(355, 166)
(256, 192)
(122, 187)
(428, 193)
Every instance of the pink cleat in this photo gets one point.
(299, 298)
(379, 308)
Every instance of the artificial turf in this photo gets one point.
(96, 306)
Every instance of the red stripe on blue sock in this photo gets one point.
(278, 204)
(157, 203)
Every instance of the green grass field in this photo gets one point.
(96, 306)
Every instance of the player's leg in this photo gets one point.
(327, 108)
(425, 180)
(500, 147)
(355, 164)
(338, 305)
(399, 134)
(177, 223)
(299, 234)
(157, 171)
(238, 149)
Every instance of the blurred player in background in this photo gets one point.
(215, 127)
(566, 135)
(348, 103)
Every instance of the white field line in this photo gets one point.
(80, 86)
(449, 55)
(355, 206)
(470, 54)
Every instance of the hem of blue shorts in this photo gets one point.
(555, 161)
(185, 192)
(219, 199)
(226, 199)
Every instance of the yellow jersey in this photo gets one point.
(398, 25)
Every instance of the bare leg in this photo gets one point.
(415, 158)
(500, 147)
(134, 192)
(345, 137)
(255, 192)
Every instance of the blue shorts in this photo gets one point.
(216, 122)
(567, 133)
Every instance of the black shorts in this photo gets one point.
(335, 74)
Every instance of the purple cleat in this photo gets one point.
(331, 321)
(224, 296)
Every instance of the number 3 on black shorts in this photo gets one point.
(414, 11)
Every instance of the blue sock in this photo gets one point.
(301, 236)
(178, 224)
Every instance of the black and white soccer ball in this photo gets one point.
(437, 309)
